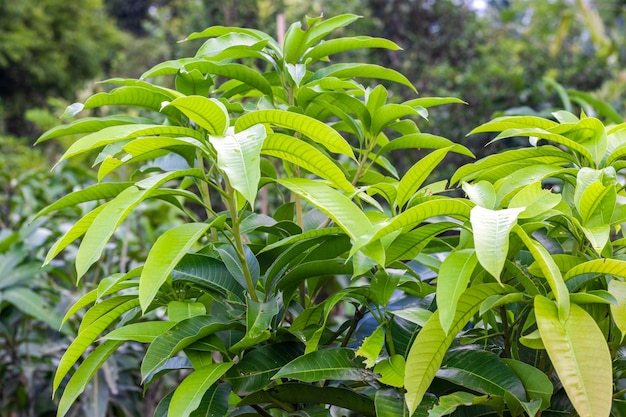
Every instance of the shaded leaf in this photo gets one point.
(333, 364)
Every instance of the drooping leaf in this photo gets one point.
(452, 281)
(491, 236)
(190, 391)
(580, 356)
(428, 349)
(238, 156)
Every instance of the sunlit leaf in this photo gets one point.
(454, 275)
(190, 391)
(333, 364)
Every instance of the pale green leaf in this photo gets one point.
(238, 156)
(314, 129)
(207, 113)
(598, 266)
(190, 391)
(424, 141)
(338, 207)
(454, 275)
(181, 310)
(417, 174)
(580, 356)
(428, 349)
(514, 122)
(427, 102)
(359, 70)
(391, 371)
(335, 46)
(168, 249)
(491, 230)
(298, 152)
(535, 200)
(371, 347)
(143, 332)
(618, 312)
(481, 193)
(91, 124)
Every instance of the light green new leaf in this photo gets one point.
(449, 403)
(580, 355)
(85, 372)
(359, 70)
(179, 337)
(207, 113)
(514, 122)
(391, 371)
(456, 208)
(371, 347)
(481, 193)
(428, 349)
(238, 156)
(86, 338)
(323, 28)
(454, 275)
(535, 200)
(333, 364)
(491, 236)
(168, 249)
(93, 192)
(91, 124)
(190, 391)
(335, 46)
(143, 332)
(181, 310)
(417, 174)
(618, 312)
(427, 102)
(337, 206)
(424, 141)
(314, 129)
(385, 115)
(598, 266)
(549, 269)
(298, 152)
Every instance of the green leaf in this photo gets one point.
(580, 355)
(238, 156)
(87, 337)
(427, 102)
(335, 46)
(536, 383)
(550, 271)
(415, 215)
(371, 347)
(181, 310)
(333, 364)
(424, 141)
(293, 392)
(177, 338)
(450, 402)
(314, 129)
(387, 114)
(391, 371)
(143, 332)
(426, 353)
(142, 96)
(214, 402)
(535, 200)
(338, 207)
(320, 30)
(190, 391)
(481, 371)
(618, 312)
(208, 113)
(514, 122)
(207, 272)
(34, 305)
(417, 174)
(295, 43)
(85, 372)
(359, 70)
(93, 192)
(491, 230)
(255, 370)
(454, 275)
(296, 151)
(166, 252)
(91, 124)
(408, 245)
(259, 317)
(481, 193)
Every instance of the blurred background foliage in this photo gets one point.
(500, 56)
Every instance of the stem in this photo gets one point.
(505, 332)
(203, 186)
(358, 315)
(232, 205)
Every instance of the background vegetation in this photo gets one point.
(500, 59)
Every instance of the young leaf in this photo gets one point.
(190, 391)
(491, 236)
(580, 355)
(207, 113)
(238, 156)
(391, 371)
(259, 317)
(454, 275)
(312, 128)
(417, 174)
(362, 70)
(618, 312)
(335, 46)
(426, 353)
(167, 251)
(371, 347)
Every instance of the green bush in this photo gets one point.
(305, 274)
